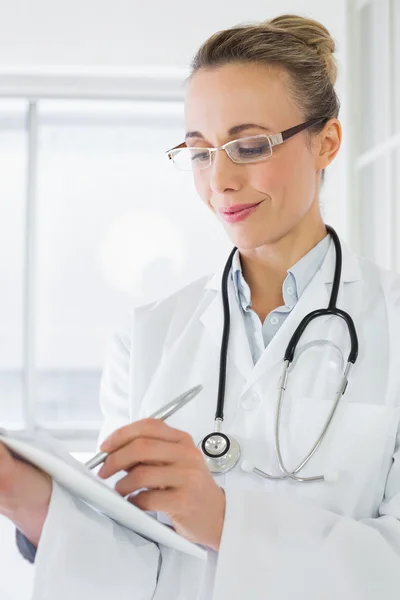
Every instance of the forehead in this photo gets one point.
(221, 97)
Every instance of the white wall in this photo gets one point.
(132, 32)
(127, 33)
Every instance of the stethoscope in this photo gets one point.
(222, 452)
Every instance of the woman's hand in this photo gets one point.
(166, 462)
(24, 495)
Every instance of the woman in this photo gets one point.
(337, 537)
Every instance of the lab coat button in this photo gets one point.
(250, 401)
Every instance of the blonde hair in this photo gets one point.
(302, 47)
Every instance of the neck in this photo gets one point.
(265, 268)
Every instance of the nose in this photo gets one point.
(225, 175)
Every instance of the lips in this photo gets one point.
(235, 208)
(237, 212)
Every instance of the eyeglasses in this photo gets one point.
(245, 150)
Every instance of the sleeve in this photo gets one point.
(25, 547)
(82, 553)
(274, 541)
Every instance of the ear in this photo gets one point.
(328, 143)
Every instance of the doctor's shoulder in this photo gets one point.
(385, 280)
(156, 324)
(136, 349)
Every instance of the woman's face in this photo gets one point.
(284, 186)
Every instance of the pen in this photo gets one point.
(162, 413)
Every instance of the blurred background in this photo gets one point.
(93, 219)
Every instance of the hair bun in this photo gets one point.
(312, 34)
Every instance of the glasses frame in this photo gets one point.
(274, 140)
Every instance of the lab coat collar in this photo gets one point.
(315, 296)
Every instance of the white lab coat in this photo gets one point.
(280, 539)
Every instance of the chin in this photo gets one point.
(249, 240)
(248, 237)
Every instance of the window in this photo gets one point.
(375, 55)
(12, 255)
(396, 62)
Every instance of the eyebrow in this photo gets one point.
(232, 131)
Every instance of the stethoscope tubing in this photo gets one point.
(288, 359)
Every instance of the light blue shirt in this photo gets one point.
(298, 277)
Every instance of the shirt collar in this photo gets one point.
(305, 269)
(242, 290)
(299, 275)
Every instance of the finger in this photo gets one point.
(150, 428)
(156, 500)
(143, 450)
(151, 477)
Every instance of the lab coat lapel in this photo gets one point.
(213, 318)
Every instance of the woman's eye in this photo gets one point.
(253, 150)
(199, 156)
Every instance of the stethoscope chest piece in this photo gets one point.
(221, 452)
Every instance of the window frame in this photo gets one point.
(388, 254)
(159, 85)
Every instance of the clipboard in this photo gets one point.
(46, 453)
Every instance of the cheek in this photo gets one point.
(202, 185)
(267, 178)
(288, 174)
